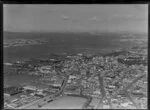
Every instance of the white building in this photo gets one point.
(69, 81)
(45, 69)
(8, 64)
(6, 95)
(72, 77)
(97, 92)
(80, 54)
(58, 83)
(30, 88)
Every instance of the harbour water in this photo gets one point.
(66, 102)
(22, 79)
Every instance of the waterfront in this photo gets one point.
(22, 79)
(62, 43)
(96, 59)
(66, 102)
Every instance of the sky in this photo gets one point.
(92, 17)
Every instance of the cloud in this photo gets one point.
(95, 18)
(65, 17)
(128, 17)
(141, 8)
(123, 15)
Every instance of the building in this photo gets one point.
(12, 90)
(58, 83)
(39, 95)
(55, 88)
(54, 78)
(14, 100)
(69, 81)
(6, 95)
(97, 92)
(80, 54)
(84, 83)
(83, 72)
(72, 77)
(69, 91)
(45, 69)
(30, 88)
(8, 64)
(87, 91)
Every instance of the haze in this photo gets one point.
(49, 18)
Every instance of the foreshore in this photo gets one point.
(86, 104)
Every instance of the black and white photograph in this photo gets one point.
(75, 56)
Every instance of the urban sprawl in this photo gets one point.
(115, 80)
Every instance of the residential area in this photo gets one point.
(115, 80)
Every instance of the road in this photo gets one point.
(43, 101)
(86, 104)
